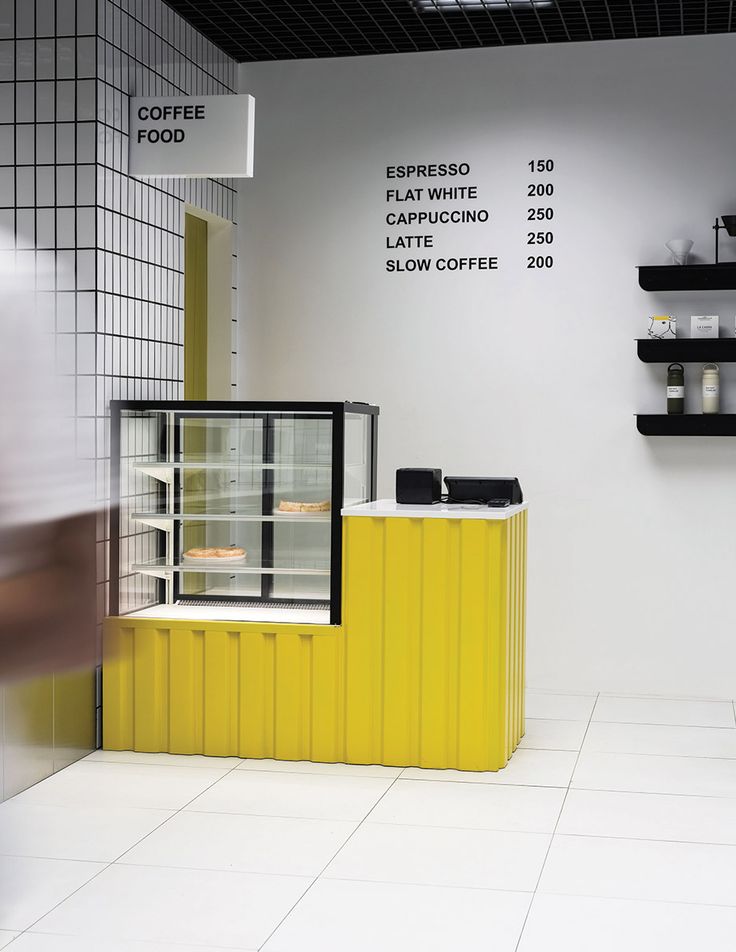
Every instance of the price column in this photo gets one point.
(540, 192)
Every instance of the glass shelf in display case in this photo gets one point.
(235, 506)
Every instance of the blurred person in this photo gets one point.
(47, 518)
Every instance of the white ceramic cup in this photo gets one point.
(679, 248)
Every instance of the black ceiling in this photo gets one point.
(298, 29)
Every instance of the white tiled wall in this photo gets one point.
(143, 48)
(67, 68)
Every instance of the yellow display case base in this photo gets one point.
(426, 670)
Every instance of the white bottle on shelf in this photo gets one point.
(711, 388)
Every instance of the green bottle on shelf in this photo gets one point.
(675, 388)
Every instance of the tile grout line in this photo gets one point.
(622, 696)
(648, 839)
(238, 767)
(107, 866)
(705, 727)
(327, 864)
(554, 831)
(261, 770)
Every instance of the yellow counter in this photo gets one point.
(427, 668)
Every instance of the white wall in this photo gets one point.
(632, 555)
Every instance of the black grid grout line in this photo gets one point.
(522, 36)
(633, 19)
(258, 30)
(218, 183)
(175, 49)
(563, 21)
(541, 25)
(389, 9)
(376, 22)
(173, 52)
(314, 29)
(230, 15)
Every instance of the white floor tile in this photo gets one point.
(255, 844)
(545, 734)
(649, 816)
(661, 739)
(434, 856)
(576, 924)
(32, 887)
(99, 834)
(162, 760)
(336, 916)
(638, 710)
(334, 770)
(640, 773)
(566, 707)
(471, 806)
(122, 785)
(36, 942)
(6, 937)
(640, 869)
(191, 907)
(538, 768)
(289, 794)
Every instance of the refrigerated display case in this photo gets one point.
(231, 510)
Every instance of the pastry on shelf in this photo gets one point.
(212, 552)
(287, 505)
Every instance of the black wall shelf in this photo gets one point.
(689, 277)
(686, 350)
(686, 424)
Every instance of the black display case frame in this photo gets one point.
(267, 412)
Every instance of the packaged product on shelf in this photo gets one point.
(704, 325)
(663, 326)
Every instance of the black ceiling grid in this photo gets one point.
(253, 30)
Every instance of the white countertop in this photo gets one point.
(238, 613)
(383, 508)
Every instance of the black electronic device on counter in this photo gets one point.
(494, 491)
(418, 487)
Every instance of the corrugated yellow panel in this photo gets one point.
(427, 668)
(117, 673)
(461, 588)
(293, 665)
(453, 635)
(438, 698)
(186, 692)
(476, 678)
(257, 679)
(510, 588)
(363, 605)
(328, 698)
(399, 721)
(221, 692)
(517, 693)
(150, 702)
(500, 605)
(521, 687)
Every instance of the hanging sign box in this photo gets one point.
(192, 136)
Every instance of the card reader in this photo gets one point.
(489, 490)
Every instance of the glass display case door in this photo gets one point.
(259, 484)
